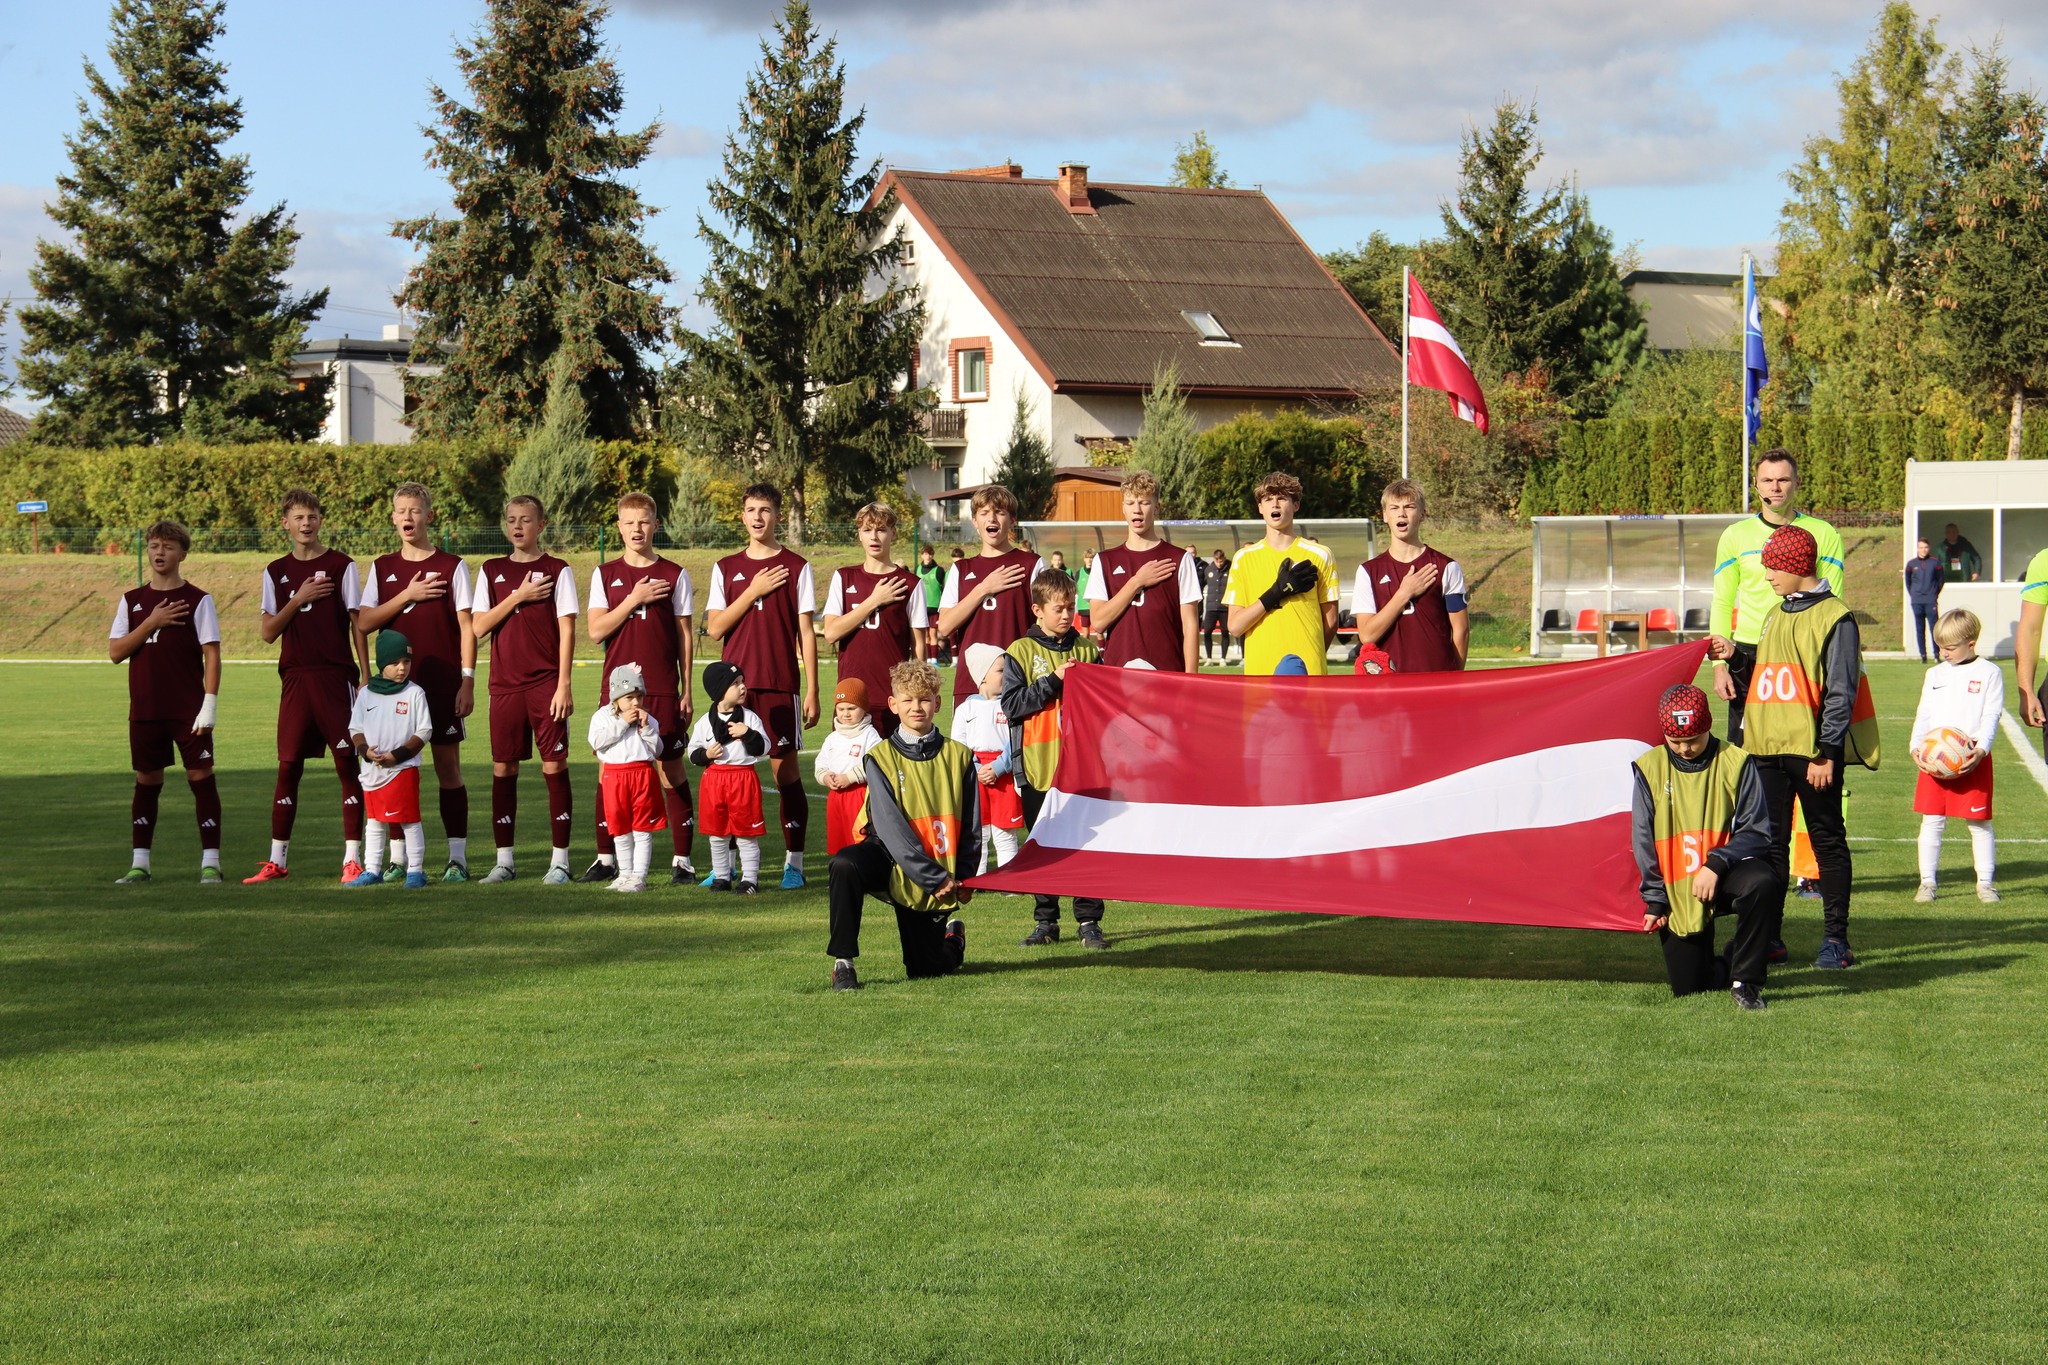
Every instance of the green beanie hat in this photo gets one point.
(391, 647)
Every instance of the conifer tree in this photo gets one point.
(804, 372)
(1027, 467)
(1166, 446)
(170, 315)
(555, 463)
(544, 251)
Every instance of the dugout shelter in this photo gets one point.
(2001, 508)
(1590, 578)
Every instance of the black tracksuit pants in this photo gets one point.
(1754, 892)
(862, 870)
(1046, 909)
(1739, 668)
(1784, 779)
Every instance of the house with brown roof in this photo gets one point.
(1067, 296)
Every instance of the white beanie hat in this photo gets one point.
(981, 658)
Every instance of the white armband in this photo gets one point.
(469, 673)
(207, 711)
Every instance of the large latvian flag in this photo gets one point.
(1499, 795)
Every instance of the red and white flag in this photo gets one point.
(1499, 796)
(1435, 362)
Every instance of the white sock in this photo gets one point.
(1005, 842)
(209, 857)
(142, 858)
(1983, 850)
(458, 851)
(1931, 827)
(750, 861)
(352, 849)
(371, 855)
(721, 859)
(505, 857)
(280, 849)
(682, 860)
(643, 851)
(557, 857)
(415, 847)
(623, 860)
(795, 860)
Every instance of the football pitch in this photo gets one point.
(528, 1122)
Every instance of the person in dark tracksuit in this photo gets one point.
(1924, 575)
(1701, 831)
(921, 828)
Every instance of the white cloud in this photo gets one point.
(22, 222)
(686, 143)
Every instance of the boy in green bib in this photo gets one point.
(1701, 832)
(1034, 678)
(920, 826)
(1808, 713)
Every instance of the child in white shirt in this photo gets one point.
(841, 768)
(388, 724)
(627, 742)
(979, 723)
(727, 742)
(1966, 693)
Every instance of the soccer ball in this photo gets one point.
(1944, 751)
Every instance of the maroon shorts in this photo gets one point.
(448, 727)
(675, 735)
(312, 714)
(520, 722)
(152, 742)
(397, 802)
(631, 793)
(729, 802)
(779, 717)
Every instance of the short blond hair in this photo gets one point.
(170, 531)
(879, 515)
(1404, 488)
(1957, 626)
(1141, 483)
(639, 502)
(914, 678)
(1286, 485)
(996, 496)
(417, 492)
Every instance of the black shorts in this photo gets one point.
(668, 714)
(152, 742)
(448, 727)
(779, 717)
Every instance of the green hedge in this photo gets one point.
(1853, 468)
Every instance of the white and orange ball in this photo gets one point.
(1944, 751)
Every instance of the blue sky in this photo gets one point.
(1678, 121)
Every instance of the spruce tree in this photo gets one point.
(544, 252)
(1166, 446)
(803, 373)
(170, 315)
(1027, 467)
(555, 463)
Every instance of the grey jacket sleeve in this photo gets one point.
(1021, 698)
(892, 826)
(1751, 837)
(1642, 830)
(1842, 667)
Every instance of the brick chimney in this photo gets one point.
(1009, 170)
(1072, 188)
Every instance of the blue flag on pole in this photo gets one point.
(1756, 367)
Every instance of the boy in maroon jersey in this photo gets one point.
(169, 633)
(875, 612)
(988, 598)
(760, 607)
(1410, 601)
(1145, 596)
(425, 592)
(310, 599)
(526, 606)
(641, 607)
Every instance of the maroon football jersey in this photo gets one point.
(651, 637)
(1420, 641)
(525, 648)
(432, 628)
(1002, 618)
(167, 676)
(320, 635)
(764, 644)
(883, 640)
(1151, 627)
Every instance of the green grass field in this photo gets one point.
(549, 1123)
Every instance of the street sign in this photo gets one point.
(27, 507)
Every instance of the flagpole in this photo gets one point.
(1404, 371)
(1742, 360)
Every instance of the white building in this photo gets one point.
(1067, 296)
(367, 404)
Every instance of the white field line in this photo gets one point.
(2030, 757)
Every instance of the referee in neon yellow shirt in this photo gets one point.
(1282, 590)
(1742, 598)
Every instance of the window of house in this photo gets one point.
(1207, 328)
(970, 373)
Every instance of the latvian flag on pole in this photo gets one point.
(1499, 796)
(1435, 362)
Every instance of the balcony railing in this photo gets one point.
(946, 427)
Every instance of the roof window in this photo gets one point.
(1207, 328)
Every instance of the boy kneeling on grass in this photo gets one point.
(922, 828)
(389, 726)
(1701, 831)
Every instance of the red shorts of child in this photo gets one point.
(1001, 807)
(631, 793)
(729, 802)
(842, 809)
(397, 802)
(1967, 797)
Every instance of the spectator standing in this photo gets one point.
(1960, 561)
(1924, 575)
